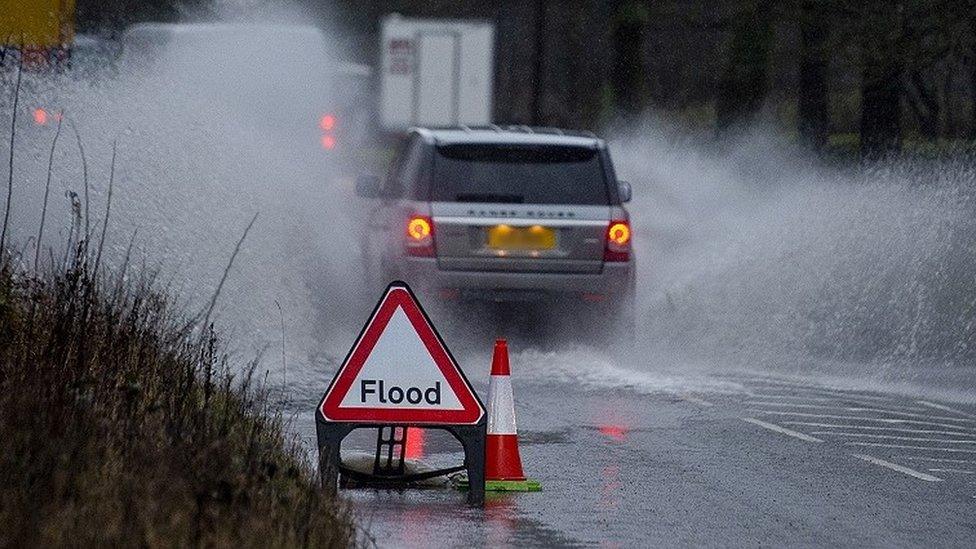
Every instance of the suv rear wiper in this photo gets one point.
(489, 197)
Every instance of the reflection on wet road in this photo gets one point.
(778, 462)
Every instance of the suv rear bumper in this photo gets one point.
(615, 282)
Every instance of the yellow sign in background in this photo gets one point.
(37, 23)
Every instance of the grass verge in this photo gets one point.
(120, 425)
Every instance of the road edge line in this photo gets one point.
(945, 408)
(899, 468)
(781, 430)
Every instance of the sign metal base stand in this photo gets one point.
(381, 386)
(388, 466)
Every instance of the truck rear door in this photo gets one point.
(436, 94)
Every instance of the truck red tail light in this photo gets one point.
(618, 241)
(420, 236)
(328, 124)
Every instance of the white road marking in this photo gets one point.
(876, 428)
(960, 471)
(884, 445)
(856, 418)
(940, 460)
(782, 430)
(945, 408)
(825, 392)
(795, 397)
(848, 408)
(899, 468)
(695, 400)
(782, 392)
(916, 439)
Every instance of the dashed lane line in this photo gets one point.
(891, 410)
(900, 468)
(946, 409)
(819, 391)
(781, 430)
(803, 397)
(804, 402)
(810, 393)
(939, 460)
(695, 400)
(893, 437)
(857, 418)
(863, 409)
(877, 428)
(904, 447)
(959, 471)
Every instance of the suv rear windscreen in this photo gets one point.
(518, 174)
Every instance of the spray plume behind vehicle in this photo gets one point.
(216, 122)
(756, 258)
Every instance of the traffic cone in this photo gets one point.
(503, 464)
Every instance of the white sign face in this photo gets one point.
(399, 371)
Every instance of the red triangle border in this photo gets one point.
(398, 295)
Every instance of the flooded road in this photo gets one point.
(732, 459)
(804, 373)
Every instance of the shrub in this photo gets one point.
(123, 424)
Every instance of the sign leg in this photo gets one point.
(330, 437)
(473, 440)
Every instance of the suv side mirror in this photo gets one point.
(368, 186)
(625, 191)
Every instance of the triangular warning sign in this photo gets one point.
(400, 371)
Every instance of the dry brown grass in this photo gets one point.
(119, 425)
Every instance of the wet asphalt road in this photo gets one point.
(780, 462)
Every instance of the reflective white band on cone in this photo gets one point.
(501, 406)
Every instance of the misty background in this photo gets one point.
(803, 171)
(844, 75)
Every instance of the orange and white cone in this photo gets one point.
(503, 463)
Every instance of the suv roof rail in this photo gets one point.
(519, 128)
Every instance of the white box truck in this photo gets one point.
(435, 72)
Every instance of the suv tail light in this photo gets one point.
(420, 236)
(618, 241)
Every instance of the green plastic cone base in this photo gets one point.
(527, 485)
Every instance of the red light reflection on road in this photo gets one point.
(415, 443)
(617, 433)
(500, 512)
(40, 117)
(328, 142)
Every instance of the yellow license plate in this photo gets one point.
(506, 237)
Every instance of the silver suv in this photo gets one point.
(501, 215)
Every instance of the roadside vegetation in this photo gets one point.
(119, 426)
(122, 421)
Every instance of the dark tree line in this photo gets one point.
(910, 55)
(881, 69)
